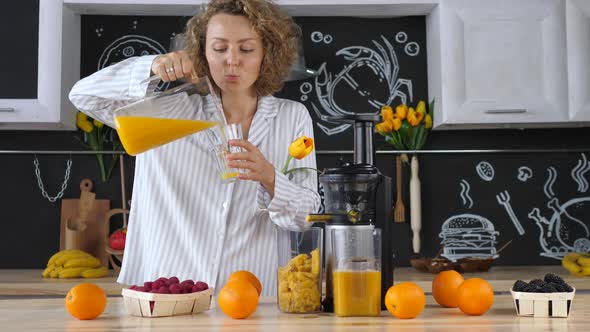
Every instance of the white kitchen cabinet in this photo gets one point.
(498, 63)
(578, 58)
(38, 98)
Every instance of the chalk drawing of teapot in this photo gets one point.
(564, 231)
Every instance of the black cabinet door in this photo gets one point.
(19, 39)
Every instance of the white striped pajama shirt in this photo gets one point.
(184, 221)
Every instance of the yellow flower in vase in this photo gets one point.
(97, 136)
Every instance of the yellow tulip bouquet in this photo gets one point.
(406, 128)
(299, 149)
(97, 137)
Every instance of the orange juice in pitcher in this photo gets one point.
(161, 117)
(141, 133)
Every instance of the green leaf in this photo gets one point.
(404, 133)
(423, 140)
(419, 137)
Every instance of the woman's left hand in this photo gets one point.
(253, 161)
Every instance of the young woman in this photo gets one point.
(184, 221)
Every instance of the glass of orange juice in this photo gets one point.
(357, 271)
(220, 137)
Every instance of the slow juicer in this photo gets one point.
(350, 197)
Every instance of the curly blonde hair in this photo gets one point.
(279, 34)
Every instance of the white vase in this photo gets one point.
(415, 205)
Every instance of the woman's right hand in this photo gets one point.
(172, 66)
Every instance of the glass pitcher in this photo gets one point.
(357, 271)
(162, 117)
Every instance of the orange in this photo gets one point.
(444, 288)
(238, 299)
(86, 301)
(247, 276)
(475, 296)
(405, 300)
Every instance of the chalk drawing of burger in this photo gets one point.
(468, 235)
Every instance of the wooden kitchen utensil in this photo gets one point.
(86, 198)
(399, 212)
(76, 227)
(415, 205)
(93, 210)
(75, 233)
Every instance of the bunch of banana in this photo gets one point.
(74, 263)
(577, 263)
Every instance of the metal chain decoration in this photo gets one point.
(64, 185)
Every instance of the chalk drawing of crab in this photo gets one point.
(371, 75)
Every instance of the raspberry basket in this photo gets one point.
(138, 303)
(543, 304)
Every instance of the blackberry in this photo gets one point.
(537, 283)
(530, 289)
(558, 287)
(567, 288)
(519, 286)
(551, 277)
(547, 288)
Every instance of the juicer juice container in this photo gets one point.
(357, 271)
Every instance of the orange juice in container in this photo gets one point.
(161, 118)
(357, 271)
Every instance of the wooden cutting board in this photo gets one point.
(94, 210)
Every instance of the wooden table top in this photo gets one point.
(49, 314)
(29, 282)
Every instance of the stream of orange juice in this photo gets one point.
(141, 133)
(357, 293)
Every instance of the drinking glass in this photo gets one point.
(220, 137)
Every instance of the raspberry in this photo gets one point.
(148, 285)
(201, 285)
(188, 281)
(171, 281)
(175, 288)
(157, 284)
(164, 290)
(519, 286)
(133, 287)
(140, 289)
(550, 277)
(186, 287)
(162, 279)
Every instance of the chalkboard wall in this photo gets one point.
(367, 62)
